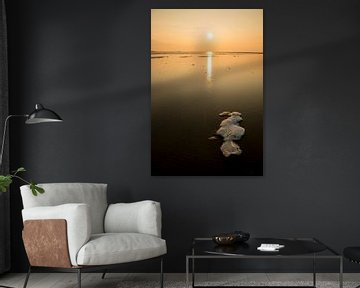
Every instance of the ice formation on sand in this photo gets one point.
(231, 120)
(230, 148)
(231, 131)
(225, 113)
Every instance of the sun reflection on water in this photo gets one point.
(209, 66)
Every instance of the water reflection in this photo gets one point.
(191, 71)
(209, 66)
(188, 90)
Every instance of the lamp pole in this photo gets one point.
(4, 134)
(2, 152)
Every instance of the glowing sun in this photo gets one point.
(210, 35)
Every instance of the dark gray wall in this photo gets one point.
(4, 166)
(89, 60)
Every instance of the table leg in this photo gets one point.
(314, 271)
(193, 267)
(187, 272)
(341, 273)
(193, 272)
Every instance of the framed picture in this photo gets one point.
(207, 92)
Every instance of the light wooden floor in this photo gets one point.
(113, 280)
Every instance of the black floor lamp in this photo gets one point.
(39, 115)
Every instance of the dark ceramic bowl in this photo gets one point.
(225, 239)
(231, 238)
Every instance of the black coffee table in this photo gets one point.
(295, 248)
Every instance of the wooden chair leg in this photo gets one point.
(27, 277)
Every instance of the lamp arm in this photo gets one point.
(4, 134)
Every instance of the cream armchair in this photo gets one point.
(72, 228)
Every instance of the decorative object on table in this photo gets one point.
(199, 75)
(225, 239)
(90, 235)
(231, 238)
(39, 115)
(242, 236)
(270, 247)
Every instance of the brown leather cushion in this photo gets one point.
(46, 243)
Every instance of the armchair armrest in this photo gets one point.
(77, 217)
(138, 217)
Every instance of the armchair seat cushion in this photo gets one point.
(114, 248)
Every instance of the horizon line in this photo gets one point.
(199, 52)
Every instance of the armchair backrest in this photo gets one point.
(55, 194)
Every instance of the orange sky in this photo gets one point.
(237, 30)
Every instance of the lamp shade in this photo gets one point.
(42, 115)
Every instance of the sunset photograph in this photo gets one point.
(207, 92)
